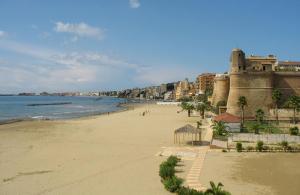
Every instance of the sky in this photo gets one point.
(96, 45)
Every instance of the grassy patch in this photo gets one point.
(264, 127)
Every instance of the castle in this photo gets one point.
(254, 77)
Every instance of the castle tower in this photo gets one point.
(237, 60)
(221, 89)
(256, 86)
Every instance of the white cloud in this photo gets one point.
(163, 74)
(2, 34)
(59, 71)
(56, 70)
(134, 3)
(80, 30)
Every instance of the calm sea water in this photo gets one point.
(16, 107)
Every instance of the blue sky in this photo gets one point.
(86, 45)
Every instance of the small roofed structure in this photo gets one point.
(232, 122)
(185, 132)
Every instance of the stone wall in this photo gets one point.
(255, 86)
(288, 83)
(266, 138)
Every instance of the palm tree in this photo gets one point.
(294, 102)
(216, 189)
(242, 102)
(219, 127)
(202, 107)
(259, 115)
(187, 106)
(276, 97)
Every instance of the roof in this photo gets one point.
(288, 63)
(227, 118)
(188, 129)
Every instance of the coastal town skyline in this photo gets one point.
(115, 46)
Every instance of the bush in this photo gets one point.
(249, 148)
(224, 150)
(284, 145)
(188, 191)
(239, 147)
(173, 184)
(173, 160)
(294, 130)
(259, 146)
(265, 148)
(166, 171)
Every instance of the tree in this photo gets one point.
(259, 115)
(294, 102)
(216, 189)
(276, 97)
(188, 107)
(185, 99)
(255, 127)
(219, 128)
(242, 102)
(202, 107)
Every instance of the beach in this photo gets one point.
(107, 154)
(120, 153)
(253, 173)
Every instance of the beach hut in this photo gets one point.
(182, 134)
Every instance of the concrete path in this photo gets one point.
(192, 179)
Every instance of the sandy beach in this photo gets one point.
(108, 154)
(253, 173)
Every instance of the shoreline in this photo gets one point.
(123, 107)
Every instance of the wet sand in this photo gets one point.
(107, 154)
(253, 173)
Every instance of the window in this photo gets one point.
(264, 68)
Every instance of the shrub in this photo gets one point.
(266, 148)
(290, 149)
(259, 146)
(173, 160)
(249, 148)
(173, 184)
(224, 150)
(284, 145)
(188, 191)
(239, 147)
(166, 171)
(294, 130)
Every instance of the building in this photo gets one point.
(205, 82)
(288, 66)
(182, 89)
(254, 77)
(233, 123)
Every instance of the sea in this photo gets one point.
(55, 107)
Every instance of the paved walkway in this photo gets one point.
(192, 179)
